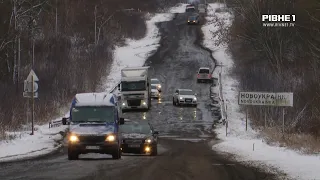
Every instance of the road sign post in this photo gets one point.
(280, 99)
(30, 91)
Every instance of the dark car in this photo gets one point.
(194, 19)
(139, 138)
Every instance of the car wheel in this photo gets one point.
(117, 155)
(73, 155)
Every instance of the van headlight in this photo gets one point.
(73, 138)
(180, 97)
(123, 104)
(148, 141)
(144, 103)
(110, 138)
(194, 98)
(159, 86)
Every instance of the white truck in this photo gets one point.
(135, 88)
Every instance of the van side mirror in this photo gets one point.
(195, 94)
(148, 84)
(119, 86)
(156, 133)
(64, 121)
(121, 121)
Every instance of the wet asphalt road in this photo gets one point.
(175, 64)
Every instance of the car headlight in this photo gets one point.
(159, 86)
(194, 98)
(110, 138)
(123, 104)
(148, 140)
(73, 138)
(180, 97)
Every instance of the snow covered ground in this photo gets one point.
(246, 145)
(44, 141)
(135, 53)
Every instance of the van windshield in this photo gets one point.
(93, 114)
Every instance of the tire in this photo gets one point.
(174, 103)
(117, 155)
(73, 155)
(154, 152)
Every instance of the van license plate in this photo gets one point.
(134, 145)
(93, 147)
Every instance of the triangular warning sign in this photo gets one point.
(35, 77)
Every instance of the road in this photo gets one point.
(185, 133)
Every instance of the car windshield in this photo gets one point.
(186, 92)
(133, 86)
(204, 71)
(192, 18)
(135, 128)
(153, 87)
(93, 114)
(155, 81)
(190, 9)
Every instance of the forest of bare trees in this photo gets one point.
(68, 44)
(282, 59)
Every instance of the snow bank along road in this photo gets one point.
(185, 132)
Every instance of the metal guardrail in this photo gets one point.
(65, 120)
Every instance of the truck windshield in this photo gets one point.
(93, 114)
(135, 128)
(133, 86)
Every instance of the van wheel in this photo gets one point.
(73, 155)
(174, 103)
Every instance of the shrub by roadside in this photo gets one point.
(279, 60)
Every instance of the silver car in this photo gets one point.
(155, 92)
(204, 74)
(184, 97)
(157, 83)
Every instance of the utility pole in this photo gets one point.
(95, 25)
(56, 30)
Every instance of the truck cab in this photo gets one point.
(94, 125)
(135, 88)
